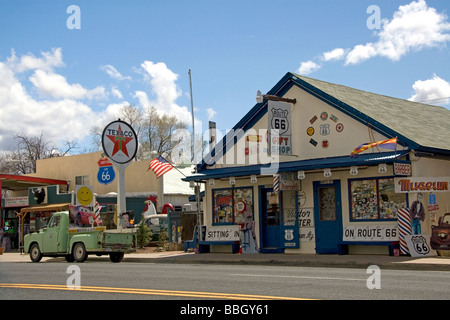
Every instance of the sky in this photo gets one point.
(66, 66)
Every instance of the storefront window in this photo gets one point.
(232, 206)
(375, 199)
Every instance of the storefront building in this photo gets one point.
(285, 176)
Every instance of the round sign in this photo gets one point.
(119, 142)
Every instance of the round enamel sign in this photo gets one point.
(119, 142)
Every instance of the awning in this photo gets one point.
(17, 182)
(50, 207)
(305, 165)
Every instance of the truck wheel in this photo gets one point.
(35, 253)
(116, 256)
(79, 252)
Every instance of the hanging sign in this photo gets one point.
(280, 128)
(119, 142)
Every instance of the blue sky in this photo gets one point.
(62, 81)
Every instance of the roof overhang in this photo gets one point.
(17, 183)
(302, 165)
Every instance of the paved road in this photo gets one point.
(103, 280)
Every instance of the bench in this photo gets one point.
(204, 246)
(343, 245)
(191, 243)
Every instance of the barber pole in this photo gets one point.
(405, 228)
(276, 183)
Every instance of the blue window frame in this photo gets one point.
(374, 199)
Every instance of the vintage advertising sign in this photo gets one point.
(223, 233)
(119, 142)
(371, 232)
(422, 184)
(280, 128)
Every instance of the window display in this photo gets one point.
(232, 206)
(375, 199)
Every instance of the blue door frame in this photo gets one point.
(270, 223)
(327, 216)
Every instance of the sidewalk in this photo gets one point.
(280, 259)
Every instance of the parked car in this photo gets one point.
(440, 234)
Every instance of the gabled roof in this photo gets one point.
(426, 125)
(418, 126)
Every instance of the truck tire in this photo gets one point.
(35, 253)
(79, 252)
(116, 256)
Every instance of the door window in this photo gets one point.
(327, 204)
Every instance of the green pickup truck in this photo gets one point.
(75, 243)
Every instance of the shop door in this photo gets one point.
(270, 222)
(327, 216)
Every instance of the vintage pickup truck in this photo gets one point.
(76, 243)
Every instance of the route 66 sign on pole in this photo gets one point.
(120, 144)
(106, 172)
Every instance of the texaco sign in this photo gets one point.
(119, 142)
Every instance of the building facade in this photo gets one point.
(286, 176)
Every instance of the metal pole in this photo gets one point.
(192, 113)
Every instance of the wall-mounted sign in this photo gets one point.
(225, 233)
(280, 128)
(402, 169)
(422, 184)
(306, 224)
(119, 142)
(385, 232)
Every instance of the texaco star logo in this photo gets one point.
(119, 142)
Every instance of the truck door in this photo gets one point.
(51, 235)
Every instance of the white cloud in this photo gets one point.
(336, 54)
(60, 115)
(113, 73)
(308, 67)
(165, 89)
(211, 113)
(56, 86)
(116, 93)
(414, 26)
(432, 91)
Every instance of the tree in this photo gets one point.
(29, 149)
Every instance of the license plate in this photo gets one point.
(117, 246)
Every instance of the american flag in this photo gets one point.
(160, 166)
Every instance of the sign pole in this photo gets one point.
(120, 144)
(121, 194)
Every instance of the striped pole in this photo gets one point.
(276, 183)
(405, 228)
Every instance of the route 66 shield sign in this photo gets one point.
(280, 117)
(106, 172)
